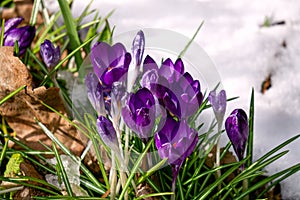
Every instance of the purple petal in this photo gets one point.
(12, 23)
(149, 64)
(237, 129)
(179, 67)
(49, 53)
(139, 113)
(176, 141)
(107, 132)
(218, 103)
(110, 63)
(138, 46)
(149, 78)
(24, 35)
(94, 92)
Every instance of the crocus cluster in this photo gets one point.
(166, 92)
(23, 35)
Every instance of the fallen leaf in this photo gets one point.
(266, 84)
(21, 110)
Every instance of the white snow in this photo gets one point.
(244, 54)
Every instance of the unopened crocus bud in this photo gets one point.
(138, 46)
(107, 132)
(95, 93)
(118, 94)
(24, 35)
(237, 129)
(50, 54)
(218, 103)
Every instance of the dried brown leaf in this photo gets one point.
(21, 110)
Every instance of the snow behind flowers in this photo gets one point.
(244, 53)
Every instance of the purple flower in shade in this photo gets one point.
(175, 141)
(24, 35)
(218, 103)
(110, 63)
(107, 132)
(50, 54)
(139, 113)
(95, 93)
(237, 129)
(138, 46)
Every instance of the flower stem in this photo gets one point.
(218, 159)
(113, 181)
(173, 187)
(245, 188)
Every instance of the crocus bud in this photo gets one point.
(218, 103)
(95, 93)
(107, 132)
(138, 46)
(118, 93)
(237, 129)
(50, 54)
(24, 35)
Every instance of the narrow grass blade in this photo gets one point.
(267, 180)
(98, 155)
(135, 167)
(206, 192)
(23, 181)
(250, 137)
(12, 94)
(13, 189)
(63, 171)
(2, 33)
(153, 195)
(291, 171)
(151, 171)
(190, 42)
(71, 30)
(67, 151)
(260, 160)
(34, 12)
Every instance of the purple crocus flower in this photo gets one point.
(175, 141)
(24, 35)
(50, 54)
(218, 103)
(139, 113)
(110, 63)
(138, 46)
(107, 132)
(237, 129)
(175, 89)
